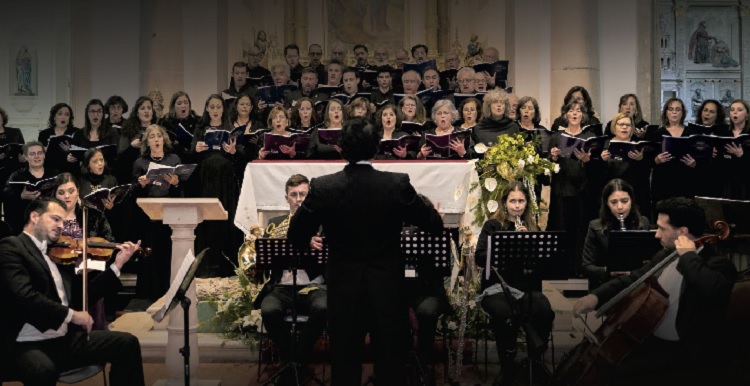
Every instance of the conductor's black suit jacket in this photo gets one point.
(29, 293)
(362, 211)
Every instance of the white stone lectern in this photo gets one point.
(182, 215)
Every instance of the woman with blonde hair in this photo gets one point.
(495, 120)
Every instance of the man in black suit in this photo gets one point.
(41, 333)
(275, 299)
(362, 211)
(688, 341)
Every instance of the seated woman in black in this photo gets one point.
(95, 175)
(513, 214)
(444, 114)
(67, 191)
(16, 195)
(617, 200)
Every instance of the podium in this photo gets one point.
(182, 215)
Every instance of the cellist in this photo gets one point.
(688, 342)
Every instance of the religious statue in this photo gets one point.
(23, 72)
(696, 101)
(261, 42)
(699, 45)
(721, 55)
(726, 101)
(473, 50)
(158, 98)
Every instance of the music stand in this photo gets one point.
(629, 250)
(522, 260)
(425, 252)
(279, 254)
(177, 295)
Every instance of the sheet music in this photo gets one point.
(189, 259)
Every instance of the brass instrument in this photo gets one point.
(622, 222)
(246, 256)
(278, 231)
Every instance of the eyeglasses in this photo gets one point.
(297, 194)
(625, 124)
(97, 112)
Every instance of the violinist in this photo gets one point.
(513, 213)
(618, 211)
(43, 300)
(67, 191)
(688, 342)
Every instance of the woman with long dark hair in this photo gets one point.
(60, 123)
(618, 199)
(581, 95)
(216, 177)
(513, 214)
(180, 117)
(97, 131)
(129, 148)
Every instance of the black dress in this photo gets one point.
(153, 271)
(15, 205)
(10, 164)
(171, 125)
(674, 178)
(321, 151)
(731, 171)
(568, 209)
(90, 182)
(216, 173)
(487, 130)
(56, 157)
(126, 156)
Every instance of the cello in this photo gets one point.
(631, 316)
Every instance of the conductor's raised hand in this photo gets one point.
(316, 242)
(127, 249)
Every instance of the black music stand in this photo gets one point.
(631, 249)
(184, 301)
(424, 252)
(279, 254)
(522, 260)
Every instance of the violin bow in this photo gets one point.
(84, 264)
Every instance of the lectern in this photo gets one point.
(182, 215)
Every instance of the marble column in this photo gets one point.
(744, 23)
(431, 25)
(575, 50)
(682, 36)
(289, 18)
(300, 25)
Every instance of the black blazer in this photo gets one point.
(707, 283)
(29, 293)
(362, 211)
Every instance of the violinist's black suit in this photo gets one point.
(30, 296)
(362, 211)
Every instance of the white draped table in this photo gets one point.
(446, 183)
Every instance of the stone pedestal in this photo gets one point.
(182, 215)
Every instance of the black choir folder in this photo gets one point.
(272, 142)
(329, 136)
(55, 141)
(44, 185)
(181, 135)
(499, 69)
(10, 150)
(699, 146)
(156, 172)
(567, 143)
(440, 144)
(720, 143)
(96, 198)
(410, 142)
(619, 150)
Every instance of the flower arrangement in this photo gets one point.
(512, 158)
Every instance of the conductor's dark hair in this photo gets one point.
(683, 212)
(359, 140)
(295, 181)
(115, 100)
(41, 206)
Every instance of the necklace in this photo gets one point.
(156, 159)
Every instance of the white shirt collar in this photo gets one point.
(42, 245)
(364, 162)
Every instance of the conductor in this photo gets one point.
(362, 211)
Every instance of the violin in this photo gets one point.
(67, 249)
